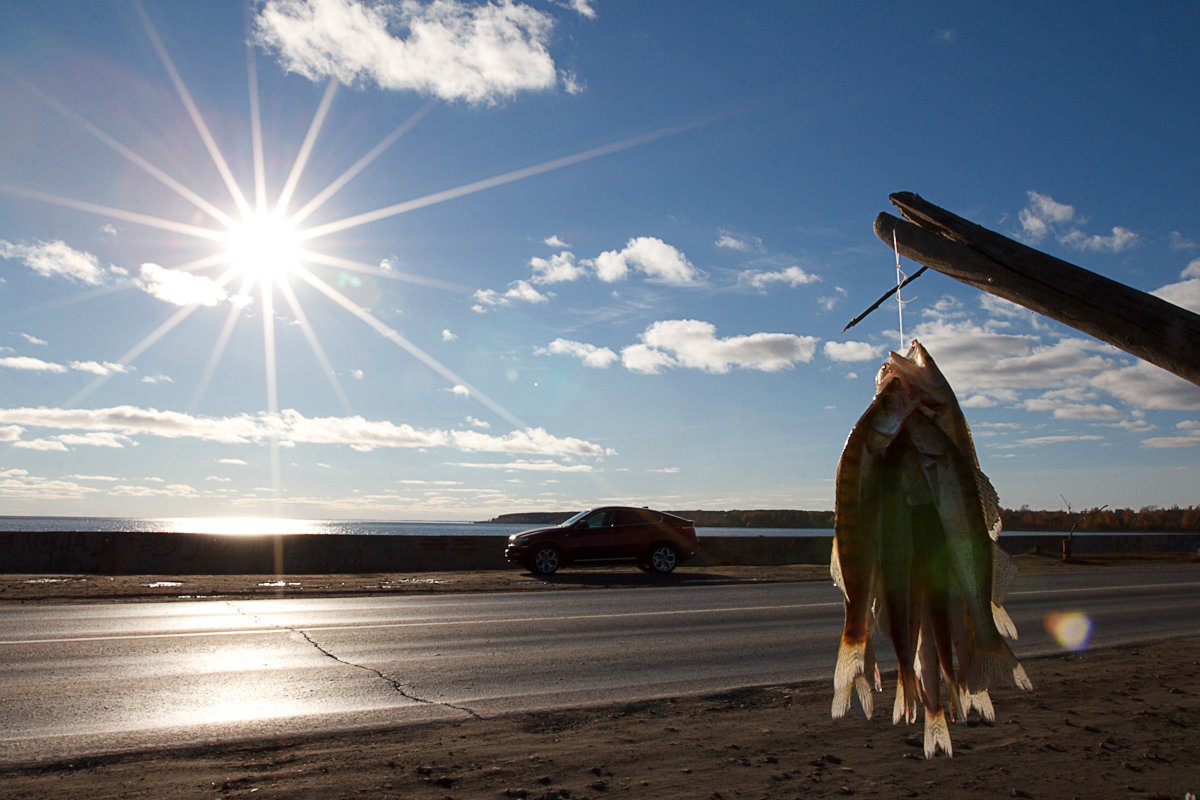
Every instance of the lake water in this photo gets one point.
(262, 525)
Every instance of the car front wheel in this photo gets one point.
(663, 558)
(545, 560)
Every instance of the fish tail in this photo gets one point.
(850, 675)
(937, 734)
(905, 708)
(981, 702)
(996, 663)
(1004, 623)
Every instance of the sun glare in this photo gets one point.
(264, 248)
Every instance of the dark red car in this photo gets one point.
(655, 540)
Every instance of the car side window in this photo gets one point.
(598, 520)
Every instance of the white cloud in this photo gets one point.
(96, 368)
(448, 335)
(829, 301)
(450, 49)
(1044, 215)
(658, 260)
(743, 245)
(1144, 385)
(44, 445)
(460, 390)
(554, 241)
(30, 364)
(10, 433)
(475, 422)
(517, 290)
(357, 374)
(530, 441)
(178, 287)
(851, 351)
(793, 276)
(646, 360)
(557, 268)
(19, 484)
(236, 462)
(94, 439)
(581, 7)
(33, 339)
(694, 344)
(56, 259)
(589, 354)
(1186, 293)
(1039, 441)
(1121, 239)
(521, 465)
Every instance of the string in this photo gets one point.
(899, 285)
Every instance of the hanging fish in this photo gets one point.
(915, 552)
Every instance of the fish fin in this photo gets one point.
(990, 502)
(996, 663)
(1004, 622)
(937, 734)
(1004, 572)
(849, 676)
(835, 570)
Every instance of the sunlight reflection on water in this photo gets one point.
(240, 526)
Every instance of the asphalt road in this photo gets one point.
(87, 679)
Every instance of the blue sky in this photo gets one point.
(548, 255)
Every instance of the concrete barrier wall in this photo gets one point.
(90, 552)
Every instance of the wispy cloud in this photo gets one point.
(1044, 215)
(791, 276)
(288, 427)
(742, 244)
(56, 259)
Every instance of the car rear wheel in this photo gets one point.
(545, 560)
(663, 558)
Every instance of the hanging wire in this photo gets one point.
(899, 285)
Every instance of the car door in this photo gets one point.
(591, 536)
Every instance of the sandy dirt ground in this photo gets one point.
(1119, 723)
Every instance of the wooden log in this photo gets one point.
(1138, 323)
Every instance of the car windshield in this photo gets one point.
(575, 518)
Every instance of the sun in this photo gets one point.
(263, 248)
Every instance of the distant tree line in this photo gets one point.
(1147, 519)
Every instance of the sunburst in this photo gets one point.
(264, 246)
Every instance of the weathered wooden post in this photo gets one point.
(1138, 323)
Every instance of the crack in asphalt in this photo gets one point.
(393, 682)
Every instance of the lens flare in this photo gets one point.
(1071, 629)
